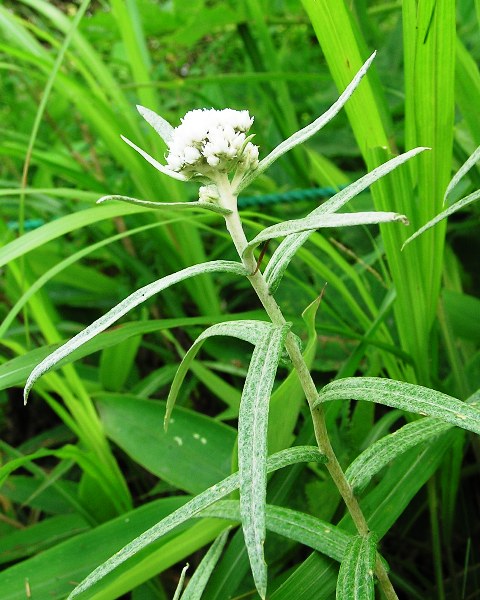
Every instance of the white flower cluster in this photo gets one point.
(210, 140)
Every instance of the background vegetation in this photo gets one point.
(89, 447)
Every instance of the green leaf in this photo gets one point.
(289, 246)
(154, 162)
(467, 165)
(191, 509)
(292, 524)
(252, 447)
(172, 205)
(123, 308)
(51, 573)
(181, 581)
(249, 331)
(473, 197)
(383, 451)
(161, 126)
(301, 136)
(355, 578)
(462, 312)
(194, 454)
(40, 536)
(406, 396)
(53, 230)
(199, 580)
(316, 221)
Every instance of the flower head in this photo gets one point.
(207, 142)
(210, 140)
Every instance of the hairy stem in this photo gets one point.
(235, 228)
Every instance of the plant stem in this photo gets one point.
(235, 228)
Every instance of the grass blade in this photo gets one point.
(199, 580)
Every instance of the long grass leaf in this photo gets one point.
(199, 580)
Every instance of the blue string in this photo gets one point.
(243, 202)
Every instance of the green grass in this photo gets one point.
(71, 76)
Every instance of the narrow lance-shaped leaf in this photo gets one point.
(172, 205)
(161, 126)
(444, 214)
(191, 509)
(180, 583)
(389, 447)
(355, 578)
(406, 396)
(154, 162)
(468, 164)
(199, 580)
(249, 331)
(382, 452)
(123, 308)
(292, 524)
(301, 136)
(316, 221)
(289, 246)
(252, 448)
